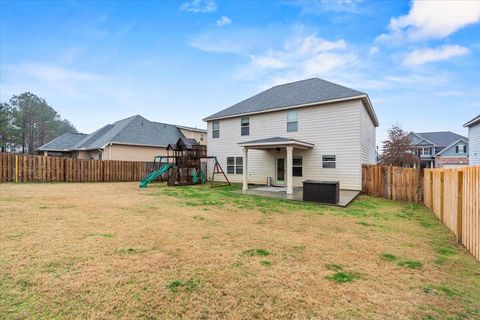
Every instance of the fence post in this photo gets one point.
(16, 168)
(442, 196)
(459, 205)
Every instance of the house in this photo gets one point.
(304, 130)
(134, 138)
(443, 149)
(474, 140)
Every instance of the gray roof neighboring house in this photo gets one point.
(134, 130)
(295, 94)
(65, 142)
(440, 138)
(472, 122)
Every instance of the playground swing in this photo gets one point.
(186, 163)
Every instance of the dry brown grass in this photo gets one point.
(107, 251)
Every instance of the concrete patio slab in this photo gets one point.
(346, 196)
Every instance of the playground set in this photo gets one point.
(186, 163)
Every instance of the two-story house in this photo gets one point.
(310, 129)
(443, 149)
(474, 140)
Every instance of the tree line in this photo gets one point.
(28, 122)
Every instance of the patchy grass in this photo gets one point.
(412, 264)
(189, 285)
(388, 257)
(256, 252)
(195, 252)
(343, 277)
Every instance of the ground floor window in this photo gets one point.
(235, 165)
(297, 166)
(329, 161)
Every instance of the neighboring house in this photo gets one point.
(443, 149)
(134, 138)
(310, 129)
(474, 140)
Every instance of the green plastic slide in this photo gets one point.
(152, 176)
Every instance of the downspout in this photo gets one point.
(110, 151)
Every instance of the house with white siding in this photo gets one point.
(474, 140)
(305, 130)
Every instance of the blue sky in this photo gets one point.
(178, 62)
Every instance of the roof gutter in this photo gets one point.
(472, 122)
(134, 144)
(364, 97)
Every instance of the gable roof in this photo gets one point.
(65, 142)
(451, 145)
(440, 138)
(294, 94)
(134, 130)
(472, 122)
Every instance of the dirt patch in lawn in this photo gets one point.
(116, 251)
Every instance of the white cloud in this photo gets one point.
(421, 56)
(373, 50)
(52, 73)
(199, 6)
(223, 21)
(433, 19)
(300, 57)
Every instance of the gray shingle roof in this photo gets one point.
(473, 121)
(65, 142)
(134, 130)
(289, 94)
(441, 138)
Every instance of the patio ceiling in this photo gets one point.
(276, 142)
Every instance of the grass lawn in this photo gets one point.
(112, 250)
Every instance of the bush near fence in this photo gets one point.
(31, 168)
(452, 194)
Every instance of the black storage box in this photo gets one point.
(321, 191)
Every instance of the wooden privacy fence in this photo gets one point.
(30, 168)
(454, 196)
(393, 183)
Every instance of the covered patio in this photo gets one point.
(274, 143)
(346, 196)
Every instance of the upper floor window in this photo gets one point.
(292, 122)
(216, 129)
(461, 148)
(201, 137)
(245, 126)
(425, 151)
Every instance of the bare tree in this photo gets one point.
(397, 149)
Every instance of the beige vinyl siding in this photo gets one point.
(367, 138)
(334, 129)
(474, 144)
(132, 153)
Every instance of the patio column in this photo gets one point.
(245, 169)
(289, 170)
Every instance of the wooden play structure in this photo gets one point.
(186, 163)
